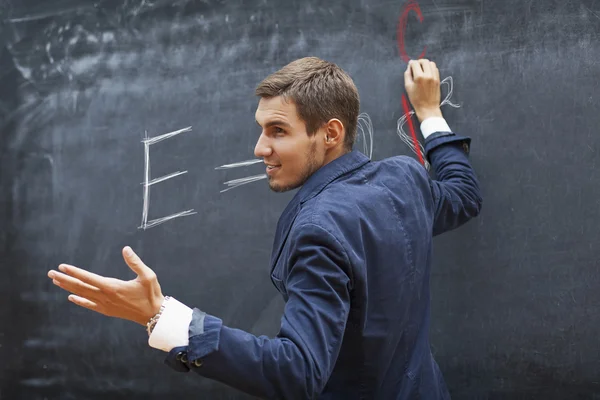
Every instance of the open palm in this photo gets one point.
(135, 300)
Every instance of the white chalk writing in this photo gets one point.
(147, 182)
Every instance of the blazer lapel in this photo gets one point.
(283, 230)
(313, 186)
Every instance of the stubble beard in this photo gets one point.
(310, 168)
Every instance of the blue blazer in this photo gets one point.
(352, 258)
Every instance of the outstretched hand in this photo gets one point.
(135, 300)
(422, 84)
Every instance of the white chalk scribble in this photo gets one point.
(243, 181)
(406, 138)
(240, 164)
(147, 182)
(365, 127)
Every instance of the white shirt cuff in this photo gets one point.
(172, 328)
(434, 124)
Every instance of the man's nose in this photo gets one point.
(262, 148)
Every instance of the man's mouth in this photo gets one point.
(272, 168)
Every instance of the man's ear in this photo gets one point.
(334, 133)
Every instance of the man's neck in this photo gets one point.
(334, 154)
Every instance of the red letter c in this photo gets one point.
(412, 5)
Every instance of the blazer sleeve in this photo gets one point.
(455, 190)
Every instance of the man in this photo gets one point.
(351, 256)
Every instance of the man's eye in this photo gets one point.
(278, 130)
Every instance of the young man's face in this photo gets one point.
(290, 154)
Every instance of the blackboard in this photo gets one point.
(83, 83)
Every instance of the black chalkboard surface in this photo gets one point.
(84, 83)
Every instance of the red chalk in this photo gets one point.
(406, 109)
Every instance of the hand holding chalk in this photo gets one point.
(422, 83)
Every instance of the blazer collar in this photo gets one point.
(311, 188)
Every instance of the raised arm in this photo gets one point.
(455, 190)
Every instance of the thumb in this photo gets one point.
(135, 263)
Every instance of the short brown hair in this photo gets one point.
(321, 91)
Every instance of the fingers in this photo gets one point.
(425, 66)
(408, 80)
(90, 278)
(435, 72)
(74, 285)
(136, 264)
(83, 302)
(416, 69)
